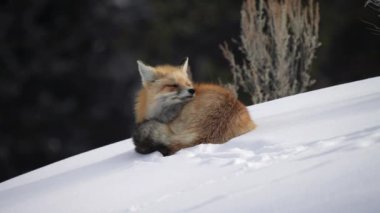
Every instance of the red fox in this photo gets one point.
(173, 113)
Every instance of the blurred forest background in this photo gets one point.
(68, 72)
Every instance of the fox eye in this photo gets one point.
(173, 86)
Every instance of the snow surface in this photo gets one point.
(314, 152)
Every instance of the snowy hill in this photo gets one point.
(313, 152)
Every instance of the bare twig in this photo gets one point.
(374, 5)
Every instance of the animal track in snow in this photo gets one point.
(259, 153)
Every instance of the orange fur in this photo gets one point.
(214, 115)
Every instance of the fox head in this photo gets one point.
(165, 86)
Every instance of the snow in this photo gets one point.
(314, 152)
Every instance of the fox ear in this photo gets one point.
(186, 68)
(146, 72)
(185, 65)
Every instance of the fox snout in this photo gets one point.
(191, 91)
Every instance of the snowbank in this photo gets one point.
(313, 152)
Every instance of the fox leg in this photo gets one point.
(150, 136)
(153, 135)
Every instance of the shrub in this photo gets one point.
(278, 43)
